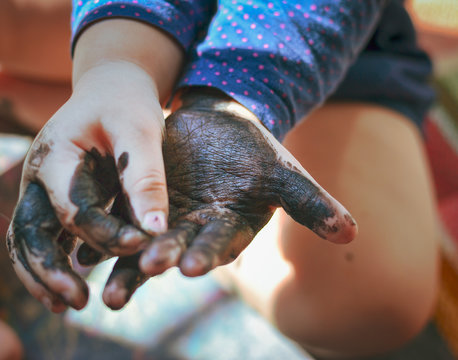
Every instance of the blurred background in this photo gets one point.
(172, 317)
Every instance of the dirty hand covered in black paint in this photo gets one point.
(226, 174)
(39, 246)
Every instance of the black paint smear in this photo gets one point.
(36, 230)
(93, 186)
(217, 159)
(38, 153)
(123, 161)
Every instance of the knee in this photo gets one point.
(350, 323)
(11, 348)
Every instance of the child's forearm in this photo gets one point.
(130, 41)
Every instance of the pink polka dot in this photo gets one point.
(234, 24)
(307, 51)
(238, 31)
(246, 16)
(311, 42)
(217, 73)
(298, 7)
(252, 78)
(288, 38)
(261, 16)
(261, 67)
(199, 72)
(270, 5)
(265, 46)
(211, 66)
(244, 39)
(96, 1)
(240, 8)
(224, 63)
(255, 54)
(245, 70)
(259, 36)
(272, 122)
(96, 12)
(224, 82)
(281, 81)
(209, 84)
(313, 7)
(306, 15)
(253, 107)
(224, 36)
(137, 14)
(267, 106)
(217, 53)
(123, 6)
(204, 78)
(239, 58)
(186, 80)
(253, 26)
(148, 10)
(276, 13)
(290, 13)
(230, 70)
(80, 3)
(231, 93)
(245, 93)
(238, 81)
(282, 26)
(219, 28)
(259, 92)
(109, 13)
(266, 80)
(326, 8)
(272, 56)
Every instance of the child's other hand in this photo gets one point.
(108, 136)
(225, 174)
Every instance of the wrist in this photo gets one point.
(121, 41)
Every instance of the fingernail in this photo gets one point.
(154, 222)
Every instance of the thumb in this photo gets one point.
(310, 205)
(142, 175)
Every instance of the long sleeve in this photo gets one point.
(181, 19)
(280, 59)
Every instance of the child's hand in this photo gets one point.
(109, 132)
(106, 139)
(226, 174)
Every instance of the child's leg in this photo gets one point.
(11, 348)
(343, 301)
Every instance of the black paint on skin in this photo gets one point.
(37, 232)
(94, 185)
(223, 175)
(123, 161)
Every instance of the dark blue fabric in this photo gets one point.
(280, 59)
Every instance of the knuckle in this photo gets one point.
(152, 182)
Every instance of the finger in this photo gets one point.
(90, 193)
(141, 170)
(218, 242)
(38, 258)
(166, 249)
(125, 278)
(309, 204)
(87, 255)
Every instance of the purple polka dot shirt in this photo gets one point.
(278, 58)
